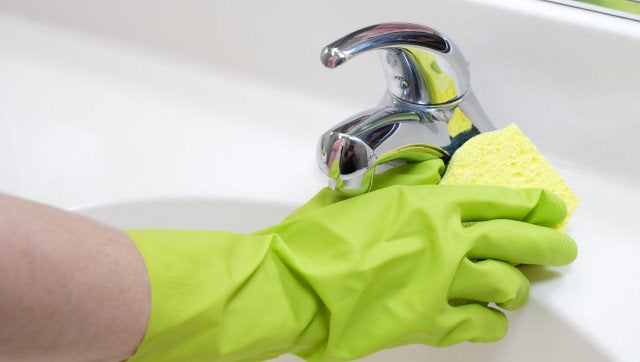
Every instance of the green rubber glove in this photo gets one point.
(397, 266)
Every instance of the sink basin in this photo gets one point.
(191, 114)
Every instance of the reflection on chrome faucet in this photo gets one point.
(429, 109)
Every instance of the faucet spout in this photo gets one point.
(406, 49)
(380, 36)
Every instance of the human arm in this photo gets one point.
(72, 289)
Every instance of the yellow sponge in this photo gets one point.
(507, 157)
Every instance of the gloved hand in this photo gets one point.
(396, 266)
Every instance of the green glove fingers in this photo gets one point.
(489, 281)
(537, 206)
(476, 323)
(521, 243)
(550, 210)
(395, 266)
(473, 322)
(504, 238)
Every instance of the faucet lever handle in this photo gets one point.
(414, 58)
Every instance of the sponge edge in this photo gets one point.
(507, 157)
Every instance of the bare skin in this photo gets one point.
(71, 288)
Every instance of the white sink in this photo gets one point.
(190, 114)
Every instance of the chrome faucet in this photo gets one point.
(428, 111)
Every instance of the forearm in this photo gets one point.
(72, 289)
